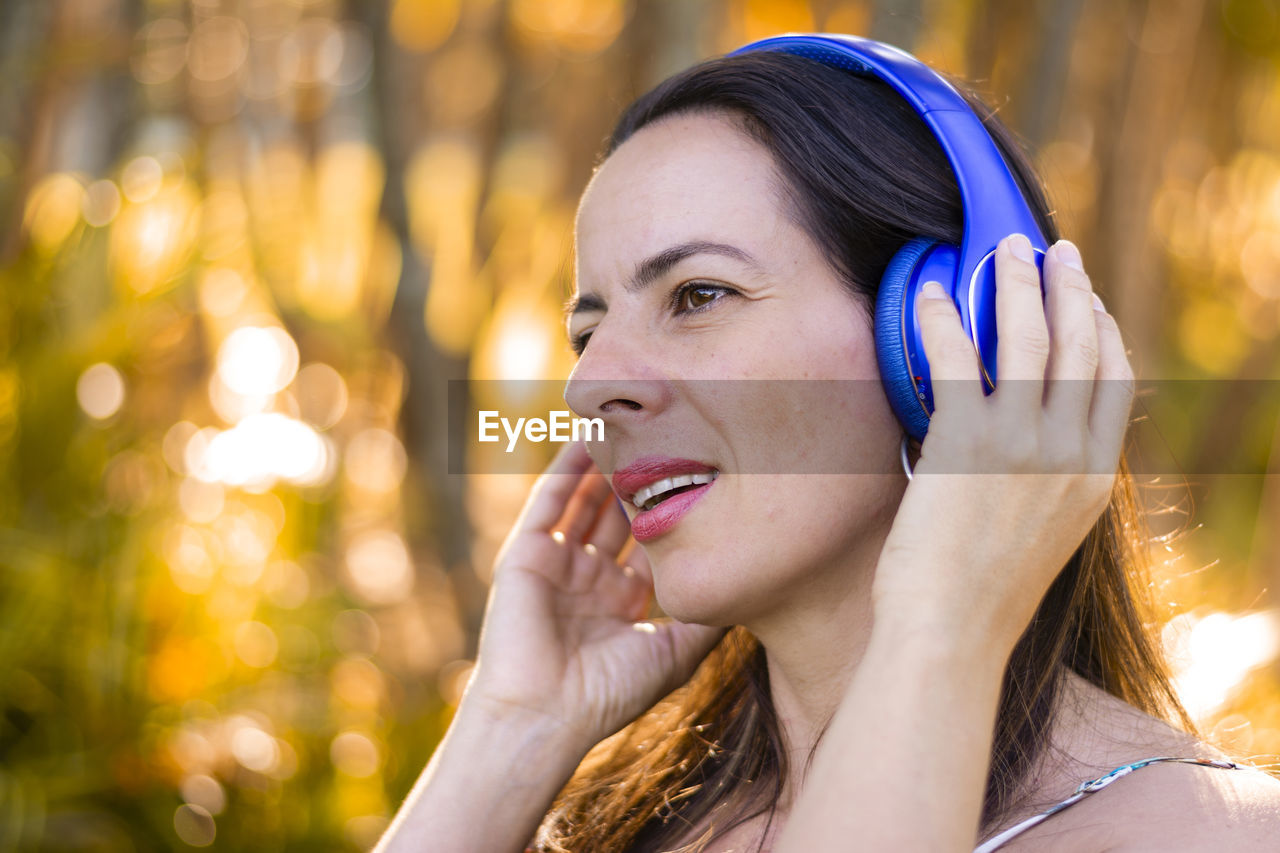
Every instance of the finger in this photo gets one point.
(1023, 334)
(1112, 392)
(583, 507)
(1073, 336)
(553, 489)
(954, 373)
(611, 530)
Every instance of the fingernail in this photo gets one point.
(933, 290)
(1097, 304)
(1020, 246)
(1067, 252)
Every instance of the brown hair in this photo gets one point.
(862, 175)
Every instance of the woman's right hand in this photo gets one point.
(564, 633)
(1030, 467)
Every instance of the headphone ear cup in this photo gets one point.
(893, 315)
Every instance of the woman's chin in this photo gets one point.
(710, 604)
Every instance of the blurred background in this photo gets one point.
(244, 245)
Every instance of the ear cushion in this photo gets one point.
(889, 320)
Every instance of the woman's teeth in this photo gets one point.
(655, 493)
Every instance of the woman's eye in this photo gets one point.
(691, 297)
(687, 298)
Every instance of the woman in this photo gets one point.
(854, 633)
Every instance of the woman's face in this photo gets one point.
(690, 278)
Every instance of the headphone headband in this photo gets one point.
(993, 204)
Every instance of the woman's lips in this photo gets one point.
(652, 523)
(648, 470)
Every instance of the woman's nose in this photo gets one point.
(617, 378)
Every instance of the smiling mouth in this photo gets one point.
(652, 495)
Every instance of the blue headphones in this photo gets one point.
(994, 207)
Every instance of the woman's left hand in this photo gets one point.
(1007, 485)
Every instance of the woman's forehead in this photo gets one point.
(686, 177)
(691, 156)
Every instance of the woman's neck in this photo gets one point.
(813, 647)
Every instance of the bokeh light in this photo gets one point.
(1212, 654)
(194, 825)
(356, 754)
(101, 203)
(379, 567)
(262, 449)
(204, 791)
(254, 748)
(256, 644)
(152, 234)
(322, 395)
(423, 25)
(53, 210)
(100, 391)
(375, 461)
(256, 361)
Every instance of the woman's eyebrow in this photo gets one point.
(653, 267)
(584, 302)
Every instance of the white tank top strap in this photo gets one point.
(1087, 788)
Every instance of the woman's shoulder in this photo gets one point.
(1157, 806)
(1190, 807)
(1167, 806)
